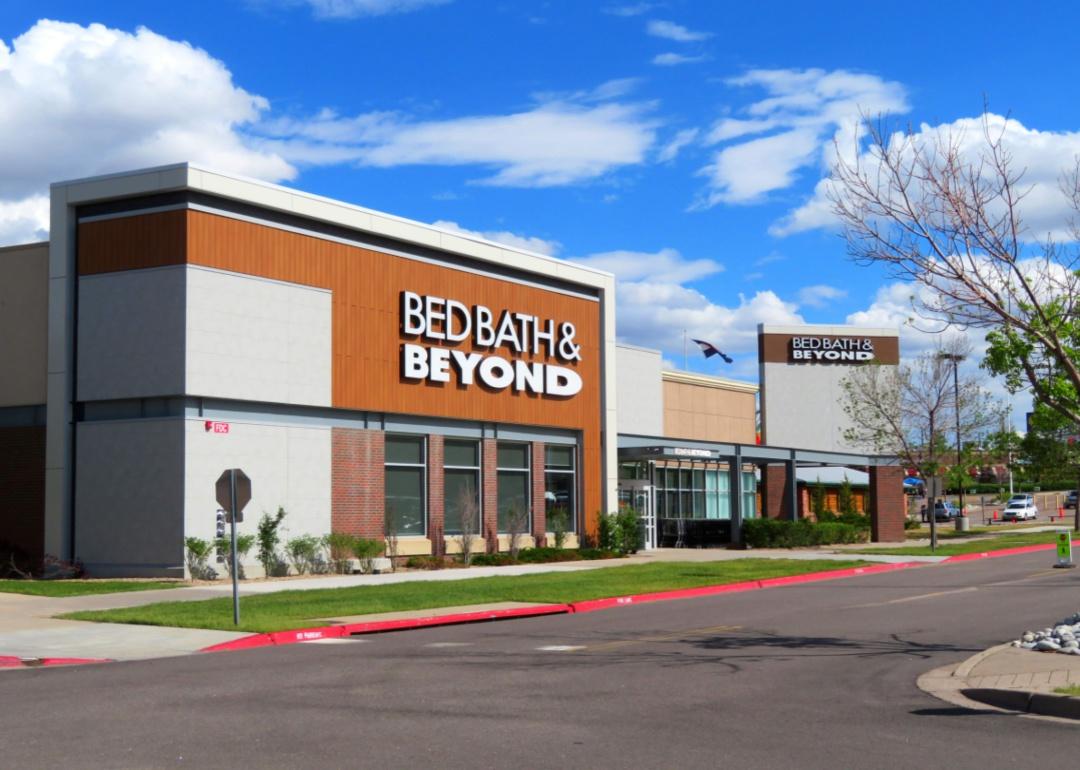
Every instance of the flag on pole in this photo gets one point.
(711, 350)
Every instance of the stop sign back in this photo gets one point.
(223, 490)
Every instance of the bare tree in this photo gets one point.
(469, 512)
(517, 524)
(910, 410)
(390, 528)
(948, 218)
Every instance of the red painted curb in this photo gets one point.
(381, 626)
(592, 605)
(71, 661)
(1004, 552)
(10, 661)
(749, 585)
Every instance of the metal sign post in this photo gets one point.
(233, 489)
(1064, 550)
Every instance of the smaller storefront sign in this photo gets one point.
(213, 426)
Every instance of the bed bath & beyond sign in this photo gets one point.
(832, 349)
(436, 319)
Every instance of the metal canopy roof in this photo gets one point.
(659, 447)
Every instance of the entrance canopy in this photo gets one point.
(779, 470)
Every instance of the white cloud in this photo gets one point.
(673, 59)
(656, 305)
(790, 129)
(560, 142)
(632, 9)
(681, 139)
(351, 9)
(820, 295)
(1042, 155)
(79, 101)
(527, 242)
(26, 220)
(669, 30)
(655, 315)
(666, 265)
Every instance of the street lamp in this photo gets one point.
(956, 358)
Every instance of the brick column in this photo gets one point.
(774, 488)
(887, 507)
(489, 503)
(358, 482)
(539, 504)
(436, 490)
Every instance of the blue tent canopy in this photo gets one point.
(911, 481)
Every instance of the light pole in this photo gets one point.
(956, 358)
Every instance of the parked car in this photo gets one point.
(1070, 499)
(1019, 510)
(943, 511)
(1022, 498)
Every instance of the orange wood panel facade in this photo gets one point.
(366, 287)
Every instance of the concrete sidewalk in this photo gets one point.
(29, 628)
(1009, 678)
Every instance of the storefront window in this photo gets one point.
(461, 485)
(405, 473)
(513, 486)
(749, 493)
(560, 483)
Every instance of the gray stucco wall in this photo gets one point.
(131, 334)
(639, 391)
(129, 497)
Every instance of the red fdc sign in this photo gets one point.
(216, 427)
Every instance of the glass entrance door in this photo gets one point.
(640, 496)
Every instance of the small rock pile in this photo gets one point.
(1063, 637)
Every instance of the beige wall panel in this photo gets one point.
(708, 413)
(24, 312)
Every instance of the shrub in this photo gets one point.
(627, 531)
(817, 500)
(339, 547)
(845, 501)
(425, 562)
(366, 551)
(776, 533)
(223, 545)
(589, 554)
(197, 555)
(558, 521)
(911, 523)
(492, 560)
(268, 542)
(302, 551)
(605, 532)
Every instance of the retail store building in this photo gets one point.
(367, 372)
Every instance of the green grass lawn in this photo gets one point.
(298, 609)
(61, 588)
(977, 546)
(1072, 689)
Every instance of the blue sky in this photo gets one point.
(678, 143)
